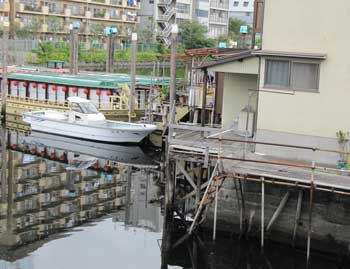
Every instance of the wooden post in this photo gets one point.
(204, 96)
(73, 52)
(132, 75)
(199, 183)
(172, 99)
(243, 45)
(4, 86)
(278, 211)
(128, 196)
(3, 163)
(169, 213)
(10, 200)
(12, 19)
(262, 212)
(215, 210)
(110, 52)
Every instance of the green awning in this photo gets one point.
(88, 80)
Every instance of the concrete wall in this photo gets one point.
(235, 95)
(313, 27)
(330, 217)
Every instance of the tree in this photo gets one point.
(146, 34)
(234, 26)
(193, 35)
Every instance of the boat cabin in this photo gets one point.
(82, 109)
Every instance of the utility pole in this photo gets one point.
(4, 86)
(12, 17)
(132, 75)
(174, 32)
(111, 35)
(73, 52)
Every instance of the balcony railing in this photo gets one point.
(214, 19)
(218, 4)
(36, 8)
(99, 15)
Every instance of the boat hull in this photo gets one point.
(88, 132)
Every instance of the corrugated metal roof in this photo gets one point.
(89, 80)
(238, 56)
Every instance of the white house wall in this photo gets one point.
(246, 66)
(235, 96)
(310, 26)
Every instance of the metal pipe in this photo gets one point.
(262, 212)
(277, 144)
(309, 230)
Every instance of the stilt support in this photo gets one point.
(297, 216)
(278, 211)
(262, 212)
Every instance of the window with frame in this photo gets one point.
(245, 3)
(235, 3)
(292, 75)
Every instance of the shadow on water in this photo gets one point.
(229, 252)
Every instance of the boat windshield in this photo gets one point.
(88, 108)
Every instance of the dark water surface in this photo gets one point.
(70, 204)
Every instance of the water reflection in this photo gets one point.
(62, 189)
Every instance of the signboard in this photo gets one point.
(243, 29)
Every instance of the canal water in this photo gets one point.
(68, 203)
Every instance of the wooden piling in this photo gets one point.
(132, 75)
(309, 230)
(204, 97)
(73, 52)
(4, 86)
(215, 210)
(297, 216)
(169, 212)
(3, 164)
(172, 99)
(110, 52)
(128, 195)
(278, 211)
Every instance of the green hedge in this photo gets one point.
(47, 52)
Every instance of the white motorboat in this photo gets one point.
(84, 121)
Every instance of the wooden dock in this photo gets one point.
(203, 158)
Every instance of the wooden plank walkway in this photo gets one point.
(238, 161)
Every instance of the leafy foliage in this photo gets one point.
(234, 26)
(47, 51)
(193, 35)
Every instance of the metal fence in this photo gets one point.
(21, 50)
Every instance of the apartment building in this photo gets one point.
(242, 9)
(218, 18)
(53, 17)
(213, 14)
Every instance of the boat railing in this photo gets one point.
(114, 102)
